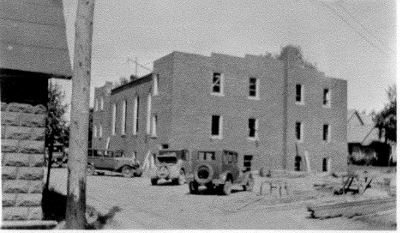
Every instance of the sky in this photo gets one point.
(353, 40)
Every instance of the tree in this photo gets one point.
(78, 147)
(295, 52)
(56, 129)
(385, 120)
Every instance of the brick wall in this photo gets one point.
(22, 154)
(185, 105)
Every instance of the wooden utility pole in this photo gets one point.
(77, 161)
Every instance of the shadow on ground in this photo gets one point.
(54, 208)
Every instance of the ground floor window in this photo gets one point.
(299, 131)
(326, 164)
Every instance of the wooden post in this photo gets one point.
(76, 187)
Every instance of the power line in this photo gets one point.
(352, 27)
(369, 32)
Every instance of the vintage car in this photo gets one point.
(108, 160)
(218, 170)
(59, 156)
(171, 165)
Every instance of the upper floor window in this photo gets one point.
(216, 126)
(148, 113)
(113, 116)
(123, 117)
(326, 134)
(253, 88)
(326, 101)
(299, 94)
(101, 103)
(299, 131)
(217, 84)
(100, 131)
(253, 128)
(155, 84)
(96, 107)
(154, 126)
(206, 155)
(135, 115)
(94, 131)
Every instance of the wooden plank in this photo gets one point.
(31, 34)
(39, 12)
(55, 3)
(351, 208)
(35, 59)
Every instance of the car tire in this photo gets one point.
(154, 181)
(226, 188)
(90, 171)
(210, 187)
(138, 172)
(127, 172)
(182, 178)
(249, 184)
(59, 164)
(193, 187)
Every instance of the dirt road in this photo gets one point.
(172, 207)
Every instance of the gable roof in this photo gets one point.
(366, 119)
(32, 37)
(363, 134)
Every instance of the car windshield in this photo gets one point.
(167, 159)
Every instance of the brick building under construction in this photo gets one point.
(279, 113)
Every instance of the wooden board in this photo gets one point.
(31, 34)
(41, 60)
(33, 37)
(39, 12)
(351, 208)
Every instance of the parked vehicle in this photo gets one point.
(59, 156)
(108, 160)
(218, 170)
(171, 165)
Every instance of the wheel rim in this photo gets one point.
(127, 171)
(90, 170)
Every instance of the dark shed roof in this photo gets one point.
(33, 38)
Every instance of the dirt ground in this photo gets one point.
(167, 206)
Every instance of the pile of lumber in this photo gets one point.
(351, 208)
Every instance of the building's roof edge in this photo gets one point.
(132, 83)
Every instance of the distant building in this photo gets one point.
(33, 48)
(222, 101)
(364, 142)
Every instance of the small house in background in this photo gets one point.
(33, 49)
(365, 145)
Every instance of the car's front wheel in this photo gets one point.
(127, 171)
(193, 187)
(154, 181)
(90, 170)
